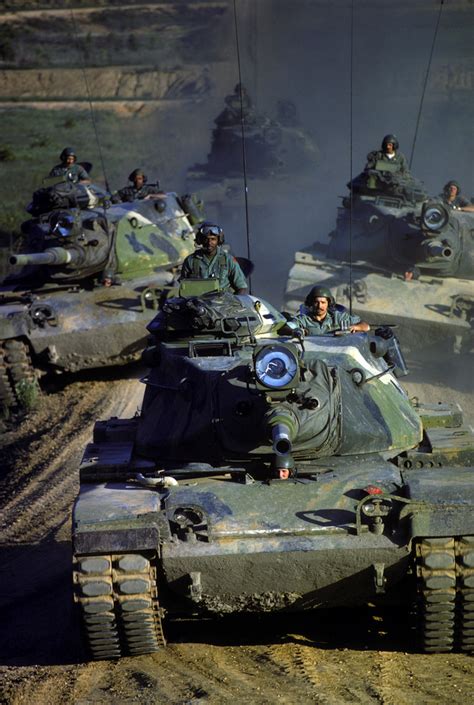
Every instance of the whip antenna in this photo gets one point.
(350, 152)
(426, 81)
(80, 46)
(242, 130)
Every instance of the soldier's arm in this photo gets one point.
(237, 278)
(352, 323)
(185, 270)
(358, 326)
(82, 175)
(371, 160)
(403, 164)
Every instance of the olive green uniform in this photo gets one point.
(74, 172)
(398, 160)
(221, 266)
(131, 193)
(456, 203)
(332, 320)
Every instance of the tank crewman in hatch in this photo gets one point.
(388, 153)
(139, 189)
(211, 261)
(319, 315)
(452, 198)
(235, 110)
(69, 168)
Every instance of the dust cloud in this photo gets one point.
(347, 100)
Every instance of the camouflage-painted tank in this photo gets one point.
(88, 282)
(266, 473)
(412, 261)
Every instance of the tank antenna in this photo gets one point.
(80, 46)
(426, 81)
(242, 129)
(350, 152)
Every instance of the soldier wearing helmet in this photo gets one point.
(238, 106)
(389, 154)
(452, 198)
(211, 261)
(139, 189)
(69, 168)
(320, 315)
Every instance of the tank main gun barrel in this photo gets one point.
(53, 255)
(435, 248)
(283, 426)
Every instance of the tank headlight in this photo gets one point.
(434, 216)
(275, 366)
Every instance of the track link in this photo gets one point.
(15, 367)
(445, 579)
(118, 597)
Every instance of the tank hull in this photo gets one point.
(310, 549)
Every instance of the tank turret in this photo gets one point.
(269, 473)
(103, 266)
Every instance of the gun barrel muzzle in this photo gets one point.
(438, 249)
(282, 444)
(53, 255)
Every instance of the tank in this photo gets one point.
(268, 473)
(276, 147)
(87, 281)
(409, 257)
(272, 144)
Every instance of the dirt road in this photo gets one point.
(329, 659)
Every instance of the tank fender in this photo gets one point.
(442, 501)
(118, 517)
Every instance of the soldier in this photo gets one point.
(211, 261)
(452, 198)
(238, 105)
(140, 188)
(319, 315)
(69, 168)
(388, 153)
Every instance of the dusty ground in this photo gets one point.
(343, 657)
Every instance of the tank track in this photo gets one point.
(445, 582)
(118, 598)
(15, 367)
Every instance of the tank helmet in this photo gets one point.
(447, 186)
(135, 173)
(390, 138)
(319, 291)
(67, 152)
(208, 228)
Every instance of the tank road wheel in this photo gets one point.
(118, 598)
(18, 382)
(445, 579)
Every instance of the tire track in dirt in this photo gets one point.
(47, 487)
